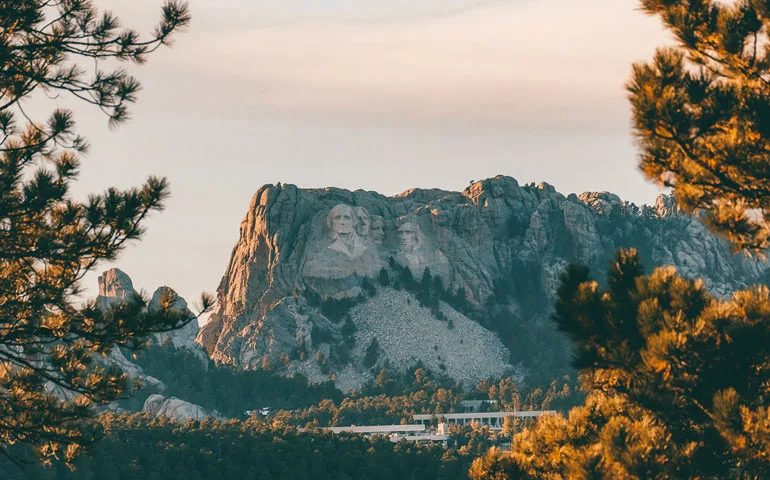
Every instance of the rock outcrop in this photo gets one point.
(182, 337)
(175, 409)
(116, 286)
(298, 288)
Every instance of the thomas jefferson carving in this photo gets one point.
(410, 241)
(415, 252)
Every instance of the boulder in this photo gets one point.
(175, 409)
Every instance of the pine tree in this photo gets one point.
(439, 292)
(460, 301)
(267, 365)
(425, 281)
(494, 465)
(384, 278)
(384, 381)
(48, 241)
(372, 354)
(509, 425)
(407, 279)
(701, 113)
(678, 381)
(285, 360)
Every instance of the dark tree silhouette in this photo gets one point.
(678, 381)
(48, 241)
(372, 354)
(701, 113)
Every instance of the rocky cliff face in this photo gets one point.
(320, 281)
(116, 286)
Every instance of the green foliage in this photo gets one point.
(49, 241)
(285, 360)
(426, 280)
(368, 287)
(267, 365)
(407, 279)
(229, 390)
(319, 335)
(372, 353)
(678, 381)
(348, 331)
(313, 298)
(460, 301)
(438, 292)
(494, 465)
(429, 291)
(537, 345)
(300, 353)
(384, 277)
(384, 381)
(559, 395)
(336, 309)
(393, 397)
(472, 439)
(342, 354)
(139, 447)
(701, 113)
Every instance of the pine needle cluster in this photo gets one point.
(701, 114)
(678, 382)
(53, 368)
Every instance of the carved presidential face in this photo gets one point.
(407, 236)
(377, 230)
(363, 223)
(340, 220)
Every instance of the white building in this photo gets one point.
(493, 420)
(413, 433)
(378, 429)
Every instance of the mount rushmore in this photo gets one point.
(335, 284)
(355, 243)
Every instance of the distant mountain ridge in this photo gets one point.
(336, 284)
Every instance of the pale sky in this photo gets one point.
(371, 94)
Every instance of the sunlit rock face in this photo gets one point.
(300, 243)
(182, 337)
(116, 286)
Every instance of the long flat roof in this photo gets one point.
(427, 436)
(477, 415)
(378, 428)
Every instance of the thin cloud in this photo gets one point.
(514, 63)
(262, 13)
